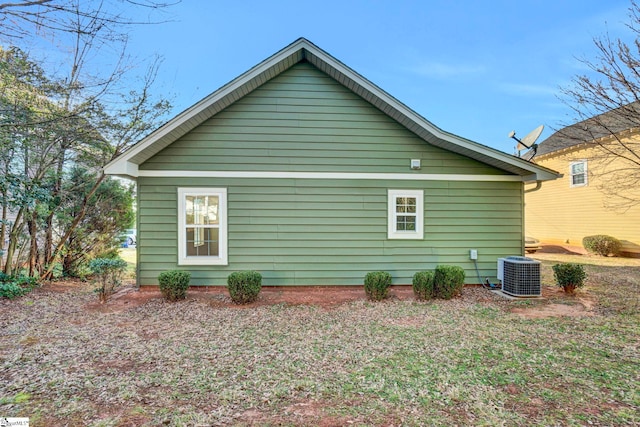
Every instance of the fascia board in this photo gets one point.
(122, 168)
(193, 116)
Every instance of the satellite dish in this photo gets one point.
(531, 138)
(529, 141)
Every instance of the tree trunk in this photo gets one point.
(67, 266)
(50, 262)
(3, 226)
(13, 242)
(48, 245)
(33, 242)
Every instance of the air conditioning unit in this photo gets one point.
(520, 276)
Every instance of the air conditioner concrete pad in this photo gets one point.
(507, 296)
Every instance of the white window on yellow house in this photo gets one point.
(405, 214)
(202, 226)
(578, 173)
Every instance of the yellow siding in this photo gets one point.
(559, 213)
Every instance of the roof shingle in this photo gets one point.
(603, 125)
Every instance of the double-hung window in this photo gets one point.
(405, 214)
(202, 226)
(578, 172)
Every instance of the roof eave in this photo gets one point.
(124, 169)
(209, 106)
(283, 60)
(412, 120)
(541, 175)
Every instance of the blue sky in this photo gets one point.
(478, 69)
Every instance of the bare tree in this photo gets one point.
(24, 18)
(606, 103)
(97, 112)
(142, 114)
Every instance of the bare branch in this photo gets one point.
(24, 4)
(80, 116)
(606, 103)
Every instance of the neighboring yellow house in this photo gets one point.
(597, 190)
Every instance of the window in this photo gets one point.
(406, 214)
(202, 226)
(578, 172)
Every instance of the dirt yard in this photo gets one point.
(328, 297)
(325, 356)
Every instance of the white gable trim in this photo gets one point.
(281, 61)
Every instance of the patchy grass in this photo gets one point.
(613, 281)
(129, 255)
(468, 361)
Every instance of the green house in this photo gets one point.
(307, 172)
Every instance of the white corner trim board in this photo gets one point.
(329, 175)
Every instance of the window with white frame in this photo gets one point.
(202, 226)
(578, 173)
(405, 214)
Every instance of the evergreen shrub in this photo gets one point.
(602, 244)
(376, 285)
(244, 286)
(423, 285)
(448, 281)
(15, 286)
(174, 284)
(108, 275)
(569, 276)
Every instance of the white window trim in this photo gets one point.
(221, 259)
(392, 233)
(571, 174)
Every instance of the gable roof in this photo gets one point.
(303, 50)
(607, 124)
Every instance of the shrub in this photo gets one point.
(15, 286)
(244, 286)
(174, 284)
(376, 285)
(569, 276)
(11, 290)
(602, 245)
(108, 275)
(423, 285)
(448, 281)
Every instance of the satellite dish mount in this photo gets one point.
(529, 141)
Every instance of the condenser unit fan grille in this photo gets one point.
(521, 276)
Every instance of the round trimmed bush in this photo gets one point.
(376, 285)
(448, 281)
(174, 284)
(423, 285)
(602, 244)
(569, 276)
(244, 286)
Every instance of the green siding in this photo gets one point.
(332, 232)
(304, 121)
(323, 231)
